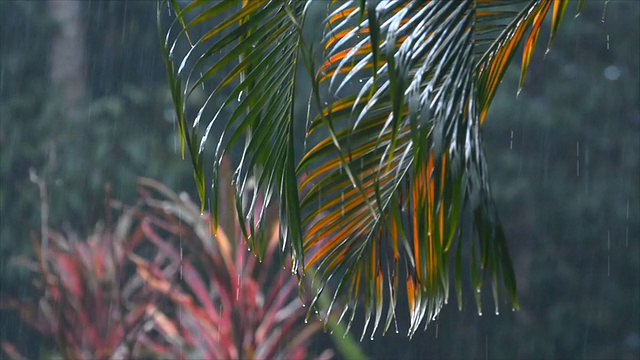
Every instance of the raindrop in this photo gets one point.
(479, 313)
(513, 309)
(238, 289)
(608, 256)
(486, 346)
(511, 141)
(627, 209)
(612, 73)
(218, 333)
(240, 95)
(577, 158)
(604, 11)
(306, 321)
(497, 312)
(626, 241)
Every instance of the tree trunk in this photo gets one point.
(67, 57)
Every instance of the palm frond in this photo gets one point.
(406, 135)
(248, 58)
(412, 80)
(402, 92)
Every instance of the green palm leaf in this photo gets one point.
(401, 94)
(247, 58)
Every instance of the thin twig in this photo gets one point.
(44, 212)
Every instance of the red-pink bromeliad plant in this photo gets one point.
(162, 283)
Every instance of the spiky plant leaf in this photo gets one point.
(401, 94)
(247, 58)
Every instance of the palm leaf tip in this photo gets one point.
(494, 60)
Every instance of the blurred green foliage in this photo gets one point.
(123, 130)
(564, 160)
